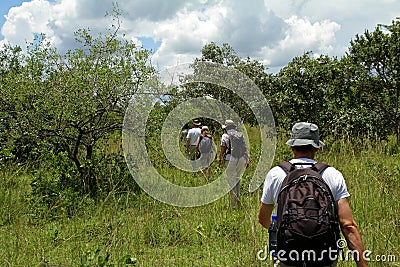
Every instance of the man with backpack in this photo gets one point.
(234, 150)
(311, 200)
(191, 140)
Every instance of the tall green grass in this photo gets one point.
(372, 172)
(136, 230)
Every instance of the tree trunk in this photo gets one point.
(90, 186)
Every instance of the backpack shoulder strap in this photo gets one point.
(320, 167)
(287, 166)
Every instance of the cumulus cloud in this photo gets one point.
(354, 17)
(271, 31)
(153, 10)
(301, 36)
(22, 22)
(246, 28)
(250, 27)
(184, 36)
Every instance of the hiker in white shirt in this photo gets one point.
(304, 144)
(191, 140)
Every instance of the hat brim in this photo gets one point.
(229, 124)
(304, 142)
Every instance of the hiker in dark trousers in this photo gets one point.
(234, 156)
(304, 144)
(207, 148)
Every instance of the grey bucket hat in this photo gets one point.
(228, 123)
(305, 133)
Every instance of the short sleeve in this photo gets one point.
(224, 140)
(336, 183)
(272, 185)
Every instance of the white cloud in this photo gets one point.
(354, 17)
(249, 27)
(184, 36)
(271, 31)
(301, 36)
(22, 22)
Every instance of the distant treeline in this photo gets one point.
(356, 95)
(64, 109)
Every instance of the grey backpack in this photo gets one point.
(205, 145)
(237, 145)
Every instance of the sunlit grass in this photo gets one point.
(141, 231)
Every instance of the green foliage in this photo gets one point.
(14, 188)
(56, 190)
(302, 91)
(67, 195)
(70, 102)
(351, 97)
(93, 258)
(373, 61)
(226, 56)
(145, 232)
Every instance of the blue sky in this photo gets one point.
(5, 5)
(270, 31)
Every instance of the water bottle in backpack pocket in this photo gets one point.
(272, 234)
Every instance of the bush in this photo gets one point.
(57, 188)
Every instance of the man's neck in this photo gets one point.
(304, 155)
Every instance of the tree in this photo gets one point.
(76, 100)
(10, 60)
(373, 59)
(226, 56)
(303, 90)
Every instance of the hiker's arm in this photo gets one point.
(264, 214)
(350, 231)
(246, 157)
(187, 145)
(197, 145)
(214, 147)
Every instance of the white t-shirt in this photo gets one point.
(193, 135)
(276, 175)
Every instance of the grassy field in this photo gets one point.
(136, 230)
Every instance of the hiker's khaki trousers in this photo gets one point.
(234, 170)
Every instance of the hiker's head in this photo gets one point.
(196, 123)
(205, 130)
(229, 124)
(305, 134)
